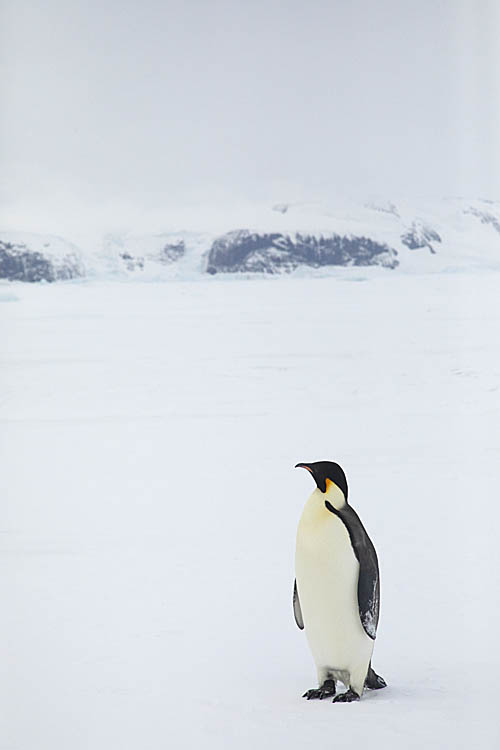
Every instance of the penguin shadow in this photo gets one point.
(413, 693)
(376, 695)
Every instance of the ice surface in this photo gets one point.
(149, 511)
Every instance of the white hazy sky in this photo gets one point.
(115, 109)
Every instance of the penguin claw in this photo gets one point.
(317, 694)
(346, 697)
(310, 694)
(325, 691)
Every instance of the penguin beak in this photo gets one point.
(303, 466)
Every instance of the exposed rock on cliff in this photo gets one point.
(246, 251)
(20, 262)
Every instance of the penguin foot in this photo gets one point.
(346, 697)
(374, 681)
(326, 690)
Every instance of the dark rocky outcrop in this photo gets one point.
(485, 217)
(132, 263)
(419, 236)
(19, 263)
(245, 251)
(172, 251)
(169, 253)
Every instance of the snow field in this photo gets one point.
(148, 434)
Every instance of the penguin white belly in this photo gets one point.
(327, 574)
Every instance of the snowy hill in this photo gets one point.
(444, 235)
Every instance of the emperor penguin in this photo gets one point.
(337, 590)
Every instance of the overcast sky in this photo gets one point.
(114, 108)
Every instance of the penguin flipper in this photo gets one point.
(368, 581)
(369, 591)
(296, 607)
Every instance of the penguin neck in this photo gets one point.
(334, 495)
(316, 513)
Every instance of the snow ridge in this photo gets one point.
(306, 238)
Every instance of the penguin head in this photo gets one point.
(326, 473)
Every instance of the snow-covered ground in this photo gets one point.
(148, 434)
